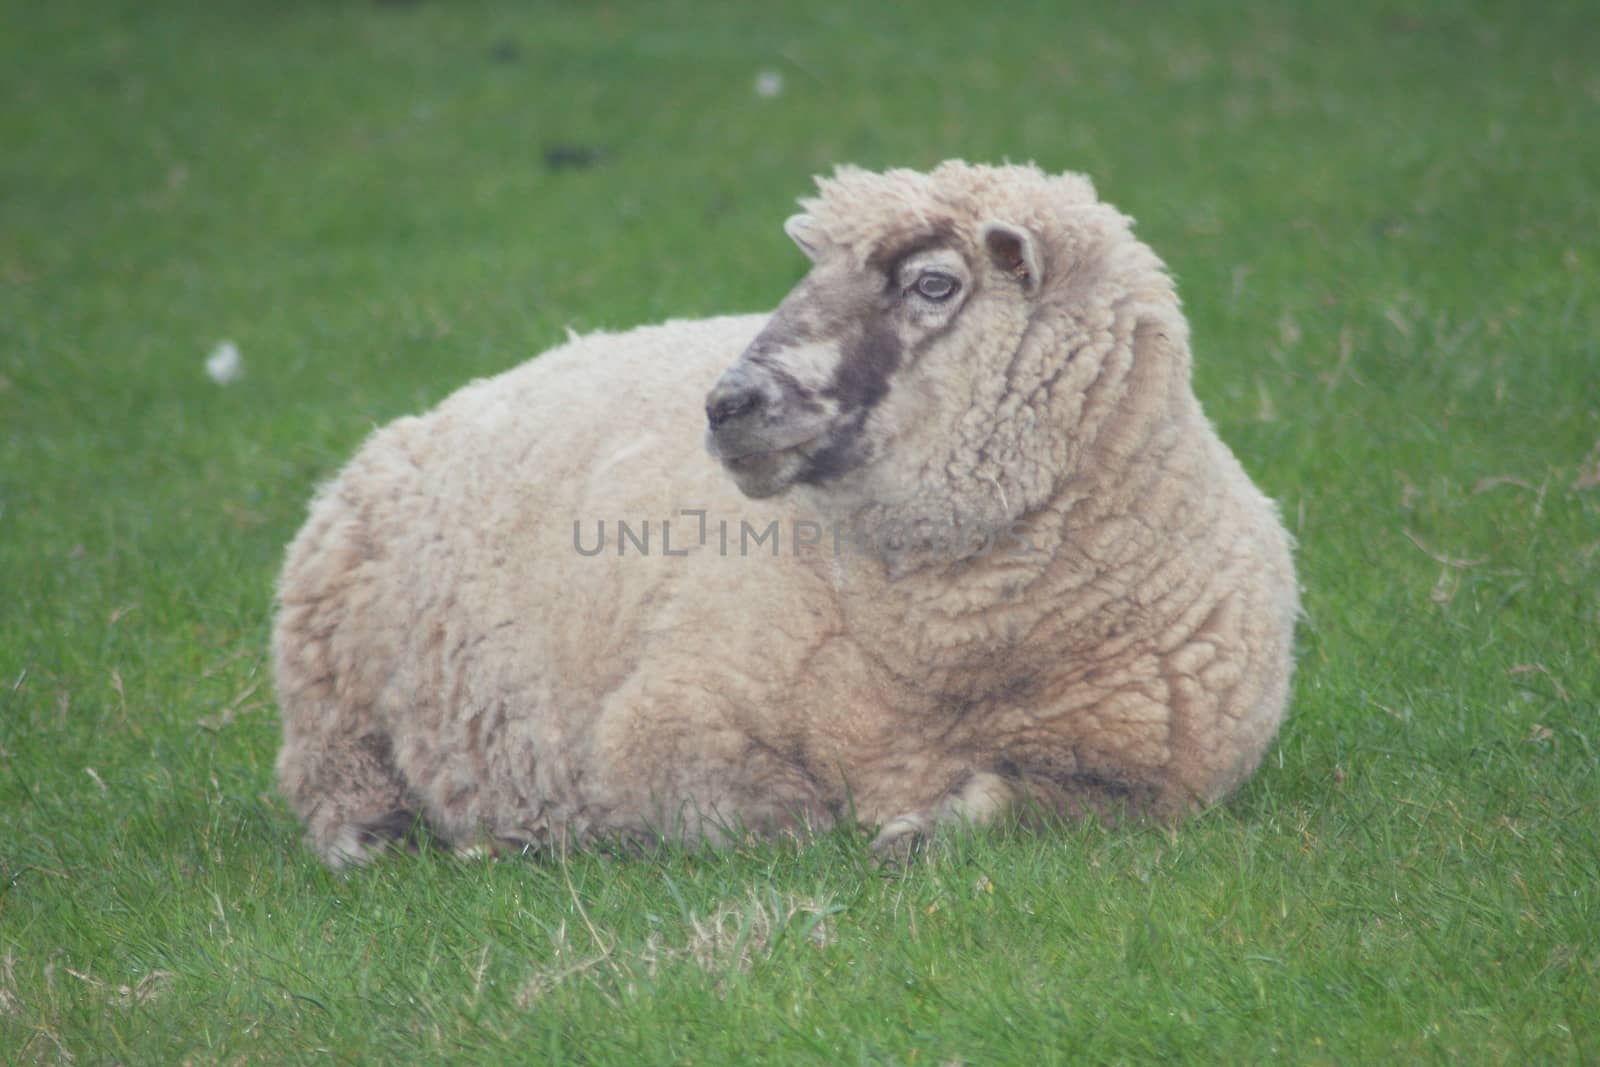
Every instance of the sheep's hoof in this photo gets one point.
(899, 841)
(477, 852)
(347, 849)
(358, 844)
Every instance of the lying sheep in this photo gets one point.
(964, 545)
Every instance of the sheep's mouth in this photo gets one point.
(749, 461)
(755, 458)
(766, 471)
(743, 454)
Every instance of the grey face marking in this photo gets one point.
(862, 377)
(861, 381)
(844, 452)
(797, 406)
(765, 353)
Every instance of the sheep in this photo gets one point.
(954, 543)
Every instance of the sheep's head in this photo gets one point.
(802, 403)
(901, 340)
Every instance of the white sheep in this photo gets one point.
(980, 553)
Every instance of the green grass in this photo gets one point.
(1383, 218)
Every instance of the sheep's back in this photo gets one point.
(451, 540)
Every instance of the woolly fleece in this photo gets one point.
(445, 653)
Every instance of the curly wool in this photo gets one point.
(447, 653)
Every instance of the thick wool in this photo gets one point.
(1108, 630)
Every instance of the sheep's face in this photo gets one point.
(805, 403)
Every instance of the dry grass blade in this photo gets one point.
(567, 964)
(1589, 474)
(1540, 668)
(1448, 561)
(1496, 481)
(10, 1003)
(145, 990)
(737, 934)
(732, 939)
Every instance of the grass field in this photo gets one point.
(1385, 220)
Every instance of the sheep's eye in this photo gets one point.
(936, 286)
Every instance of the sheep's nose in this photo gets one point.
(730, 401)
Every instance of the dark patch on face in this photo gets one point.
(796, 397)
(862, 377)
(843, 453)
(871, 353)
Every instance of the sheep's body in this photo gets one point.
(450, 647)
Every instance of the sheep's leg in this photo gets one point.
(981, 799)
(354, 803)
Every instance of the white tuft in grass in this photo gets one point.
(769, 83)
(225, 366)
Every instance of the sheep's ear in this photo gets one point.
(798, 227)
(1014, 251)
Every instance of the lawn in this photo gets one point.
(1384, 222)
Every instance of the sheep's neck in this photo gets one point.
(973, 626)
